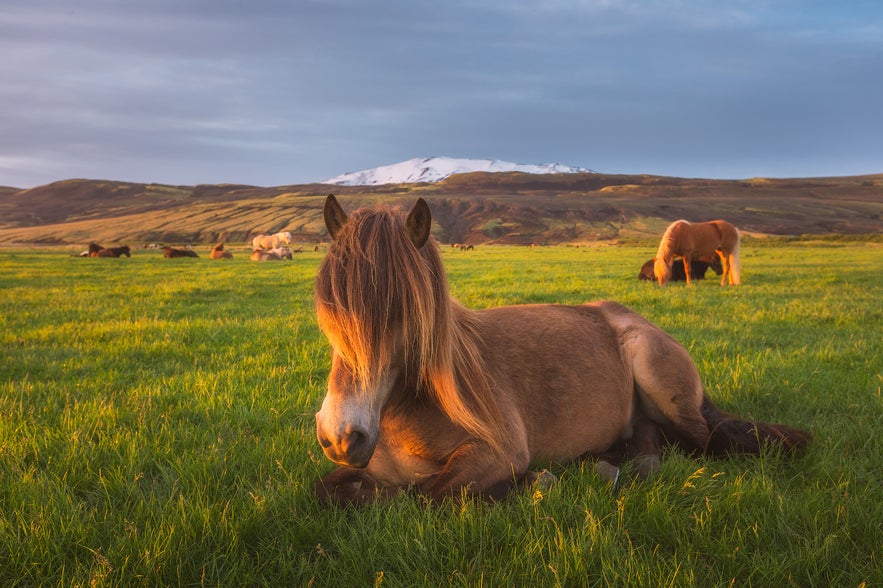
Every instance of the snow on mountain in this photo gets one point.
(433, 169)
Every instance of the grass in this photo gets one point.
(156, 428)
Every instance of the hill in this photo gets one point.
(474, 208)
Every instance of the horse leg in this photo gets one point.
(669, 389)
(725, 263)
(645, 447)
(479, 471)
(686, 259)
(351, 486)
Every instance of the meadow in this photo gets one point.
(156, 428)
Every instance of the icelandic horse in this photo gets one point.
(271, 241)
(692, 240)
(218, 252)
(426, 394)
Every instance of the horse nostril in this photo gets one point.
(325, 442)
(353, 439)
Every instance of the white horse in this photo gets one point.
(271, 241)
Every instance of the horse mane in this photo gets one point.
(662, 264)
(374, 282)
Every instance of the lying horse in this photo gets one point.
(92, 250)
(691, 240)
(114, 252)
(427, 394)
(271, 241)
(698, 267)
(276, 254)
(171, 252)
(219, 253)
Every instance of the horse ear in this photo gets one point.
(335, 217)
(419, 223)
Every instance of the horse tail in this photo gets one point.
(662, 262)
(730, 434)
(735, 276)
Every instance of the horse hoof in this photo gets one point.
(647, 465)
(543, 479)
(607, 471)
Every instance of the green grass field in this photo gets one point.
(156, 428)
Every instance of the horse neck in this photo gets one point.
(669, 242)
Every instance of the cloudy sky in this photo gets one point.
(282, 92)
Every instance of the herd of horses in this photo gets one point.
(265, 248)
(425, 395)
(686, 252)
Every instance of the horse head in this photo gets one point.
(374, 302)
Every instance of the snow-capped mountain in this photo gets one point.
(433, 169)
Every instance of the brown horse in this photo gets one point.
(427, 394)
(219, 253)
(171, 252)
(691, 240)
(114, 251)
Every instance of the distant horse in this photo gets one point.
(690, 240)
(698, 267)
(171, 252)
(427, 394)
(92, 250)
(219, 253)
(114, 251)
(277, 254)
(271, 241)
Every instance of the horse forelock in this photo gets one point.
(375, 294)
(379, 300)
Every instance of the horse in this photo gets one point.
(698, 267)
(271, 241)
(114, 251)
(171, 252)
(277, 254)
(691, 240)
(219, 253)
(426, 394)
(92, 250)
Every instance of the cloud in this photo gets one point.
(280, 92)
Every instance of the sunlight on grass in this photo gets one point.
(156, 427)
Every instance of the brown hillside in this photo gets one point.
(468, 208)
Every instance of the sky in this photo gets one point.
(275, 92)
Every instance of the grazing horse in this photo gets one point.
(171, 252)
(426, 394)
(698, 267)
(690, 240)
(271, 241)
(219, 253)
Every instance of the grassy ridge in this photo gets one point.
(156, 427)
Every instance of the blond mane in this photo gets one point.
(373, 285)
(662, 262)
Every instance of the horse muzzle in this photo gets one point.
(352, 447)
